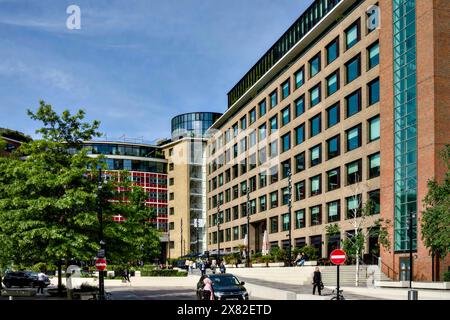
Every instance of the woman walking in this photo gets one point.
(208, 291)
(317, 281)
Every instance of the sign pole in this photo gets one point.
(337, 297)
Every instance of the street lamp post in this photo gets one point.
(412, 294)
(197, 244)
(101, 282)
(248, 227)
(290, 214)
(218, 232)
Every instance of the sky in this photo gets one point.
(133, 64)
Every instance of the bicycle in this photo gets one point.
(341, 296)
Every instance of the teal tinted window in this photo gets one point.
(353, 69)
(262, 108)
(332, 51)
(252, 115)
(333, 115)
(315, 155)
(273, 124)
(374, 165)
(314, 66)
(244, 123)
(273, 99)
(300, 162)
(300, 134)
(353, 138)
(285, 89)
(333, 147)
(333, 83)
(299, 78)
(300, 106)
(352, 35)
(353, 103)
(285, 142)
(374, 91)
(314, 96)
(285, 116)
(374, 129)
(374, 55)
(315, 125)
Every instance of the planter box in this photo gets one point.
(242, 265)
(259, 265)
(230, 266)
(85, 295)
(431, 285)
(137, 273)
(276, 264)
(310, 263)
(19, 292)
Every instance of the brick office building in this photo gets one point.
(353, 99)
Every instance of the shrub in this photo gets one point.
(164, 273)
(86, 287)
(447, 276)
(279, 255)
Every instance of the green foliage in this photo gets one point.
(278, 254)
(447, 276)
(2, 145)
(310, 251)
(44, 267)
(435, 222)
(354, 245)
(86, 287)
(163, 273)
(333, 229)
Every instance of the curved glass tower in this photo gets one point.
(192, 124)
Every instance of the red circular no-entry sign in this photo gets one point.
(338, 257)
(100, 264)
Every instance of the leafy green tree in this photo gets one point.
(435, 220)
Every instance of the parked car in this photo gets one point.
(23, 279)
(225, 285)
(180, 264)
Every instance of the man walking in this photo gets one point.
(41, 282)
(203, 268)
(317, 281)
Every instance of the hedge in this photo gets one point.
(163, 273)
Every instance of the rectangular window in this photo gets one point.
(243, 144)
(273, 174)
(300, 219)
(252, 138)
(333, 147)
(374, 165)
(262, 108)
(235, 192)
(243, 231)
(316, 215)
(274, 199)
(333, 179)
(286, 116)
(300, 134)
(353, 103)
(300, 106)
(334, 212)
(262, 156)
(252, 161)
(285, 196)
(374, 55)
(314, 96)
(299, 78)
(262, 203)
(273, 99)
(285, 167)
(353, 69)
(274, 224)
(315, 125)
(316, 155)
(374, 128)
(300, 162)
(300, 190)
(333, 115)
(333, 83)
(235, 130)
(353, 206)
(285, 89)
(252, 115)
(273, 124)
(353, 138)
(235, 233)
(374, 198)
(262, 132)
(374, 91)
(352, 35)
(262, 180)
(235, 212)
(244, 123)
(354, 172)
(286, 222)
(273, 149)
(315, 185)
(314, 65)
(332, 50)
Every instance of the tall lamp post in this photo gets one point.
(289, 174)
(218, 232)
(101, 282)
(412, 294)
(247, 256)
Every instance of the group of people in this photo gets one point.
(300, 259)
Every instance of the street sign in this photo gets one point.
(338, 256)
(119, 218)
(100, 264)
(101, 253)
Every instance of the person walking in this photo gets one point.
(203, 268)
(317, 281)
(222, 267)
(208, 291)
(41, 282)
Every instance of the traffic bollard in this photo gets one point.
(413, 295)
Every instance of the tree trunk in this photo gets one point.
(357, 258)
(438, 266)
(59, 279)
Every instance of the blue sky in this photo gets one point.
(134, 64)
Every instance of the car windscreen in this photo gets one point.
(222, 281)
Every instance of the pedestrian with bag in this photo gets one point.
(208, 291)
(222, 267)
(317, 282)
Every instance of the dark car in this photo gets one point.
(226, 287)
(23, 279)
(180, 264)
